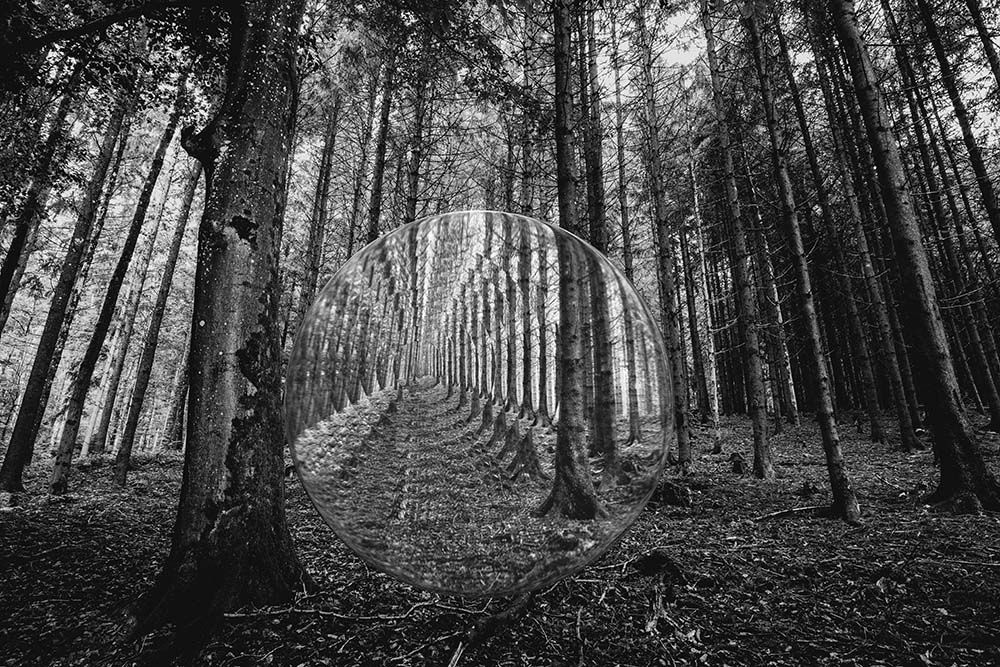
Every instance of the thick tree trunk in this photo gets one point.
(763, 465)
(231, 544)
(29, 415)
(964, 480)
(845, 502)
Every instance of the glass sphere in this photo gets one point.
(479, 403)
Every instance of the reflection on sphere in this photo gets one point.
(477, 403)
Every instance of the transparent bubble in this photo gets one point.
(477, 403)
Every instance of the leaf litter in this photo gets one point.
(708, 584)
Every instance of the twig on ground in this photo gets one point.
(324, 612)
(430, 643)
(457, 655)
(888, 483)
(789, 512)
(958, 562)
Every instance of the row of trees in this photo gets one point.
(476, 300)
(668, 137)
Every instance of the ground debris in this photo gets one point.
(910, 587)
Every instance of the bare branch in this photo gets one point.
(96, 25)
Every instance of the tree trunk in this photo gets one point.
(572, 493)
(381, 138)
(81, 383)
(763, 465)
(891, 363)
(231, 546)
(152, 335)
(33, 208)
(602, 421)
(420, 94)
(318, 220)
(986, 188)
(711, 376)
(664, 251)
(989, 48)
(845, 502)
(859, 344)
(29, 415)
(173, 427)
(624, 223)
(965, 480)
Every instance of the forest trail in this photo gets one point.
(425, 492)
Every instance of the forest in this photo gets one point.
(485, 332)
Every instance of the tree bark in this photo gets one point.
(33, 208)
(989, 48)
(318, 221)
(891, 363)
(858, 341)
(381, 138)
(986, 188)
(173, 427)
(572, 493)
(231, 544)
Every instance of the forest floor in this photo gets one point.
(909, 587)
(443, 500)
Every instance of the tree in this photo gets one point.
(230, 543)
(572, 493)
(964, 480)
(145, 367)
(29, 416)
(666, 260)
(845, 502)
(81, 382)
(763, 465)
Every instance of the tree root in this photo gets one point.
(487, 417)
(500, 429)
(526, 461)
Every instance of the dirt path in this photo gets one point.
(425, 495)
